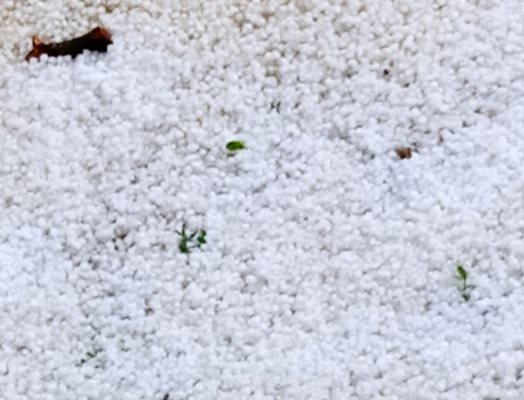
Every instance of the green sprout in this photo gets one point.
(187, 241)
(463, 277)
(235, 145)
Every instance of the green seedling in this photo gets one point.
(183, 242)
(463, 277)
(191, 240)
(235, 145)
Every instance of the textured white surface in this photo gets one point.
(329, 271)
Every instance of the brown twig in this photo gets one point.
(96, 40)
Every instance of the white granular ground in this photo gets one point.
(330, 265)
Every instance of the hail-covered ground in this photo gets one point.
(330, 264)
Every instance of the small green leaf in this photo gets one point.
(462, 273)
(201, 239)
(183, 232)
(235, 145)
(183, 247)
